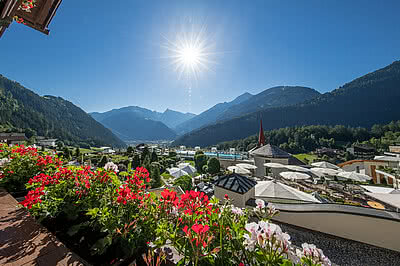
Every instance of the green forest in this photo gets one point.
(366, 101)
(49, 116)
(305, 139)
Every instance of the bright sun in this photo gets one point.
(190, 56)
(189, 53)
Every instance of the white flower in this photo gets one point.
(251, 227)
(249, 242)
(111, 166)
(260, 204)
(237, 211)
(313, 253)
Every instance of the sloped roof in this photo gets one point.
(271, 151)
(273, 189)
(236, 183)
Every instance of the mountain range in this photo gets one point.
(50, 116)
(176, 123)
(169, 117)
(370, 99)
(365, 101)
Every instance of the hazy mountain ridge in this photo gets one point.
(169, 117)
(50, 116)
(365, 101)
(211, 115)
(272, 97)
(130, 127)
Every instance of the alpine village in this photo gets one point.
(283, 176)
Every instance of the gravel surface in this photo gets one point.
(341, 251)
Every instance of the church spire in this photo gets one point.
(261, 137)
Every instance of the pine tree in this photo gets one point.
(77, 153)
(136, 161)
(155, 177)
(103, 161)
(154, 157)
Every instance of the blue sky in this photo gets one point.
(102, 56)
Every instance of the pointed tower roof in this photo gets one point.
(261, 137)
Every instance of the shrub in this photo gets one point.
(19, 164)
(110, 214)
(213, 166)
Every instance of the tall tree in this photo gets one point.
(213, 166)
(154, 157)
(77, 153)
(155, 176)
(103, 161)
(145, 154)
(136, 161)
(200, 160)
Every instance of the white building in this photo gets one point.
(238, 188)
(107, 150)
(214, 149)
(47, 142)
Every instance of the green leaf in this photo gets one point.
(74, 229)
(92, 212)
(101, 245)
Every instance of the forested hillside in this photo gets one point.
(368, 100)
(51, 117)
(305, 139)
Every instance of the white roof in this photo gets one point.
(297, 168)
(387, 158)
(239, 170)
(246, 166)
(294, 175)
(176, 172)
(274, 189)
(326, 165)
(391, 199)
(355, 176)
(187, 168)
(375, 189)
(326, 171)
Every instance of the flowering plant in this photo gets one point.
(116, 215)
(19, 20)
(27, 5)
(20, 163)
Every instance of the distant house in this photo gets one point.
(370, 168)
(362, 151)
(107, 150)
(13, 138)
(271, 154)
(47, 142)
(326, 151)
(238, 188)
(395, 149)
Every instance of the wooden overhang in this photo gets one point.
(39, 18)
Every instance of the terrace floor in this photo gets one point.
(24, 242)
(342, 251)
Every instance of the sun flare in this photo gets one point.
(190, 53)
(190, 56)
